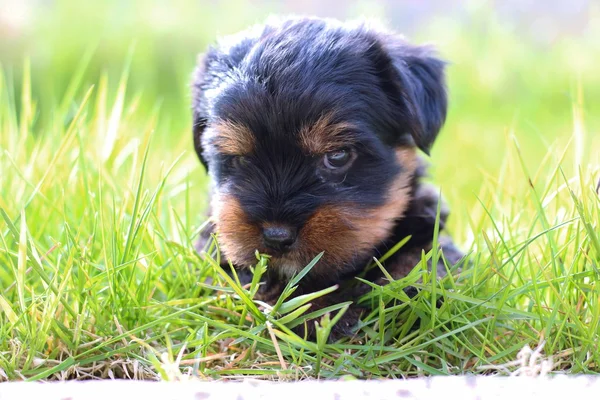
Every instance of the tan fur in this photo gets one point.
(325, 136)
(233, 139)
(330, 229)
(378, 223)
(237, 237)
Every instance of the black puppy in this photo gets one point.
(309, 129)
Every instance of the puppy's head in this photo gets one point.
(309, 129)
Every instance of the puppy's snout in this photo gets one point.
(279, 237)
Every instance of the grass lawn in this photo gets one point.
(101, 198)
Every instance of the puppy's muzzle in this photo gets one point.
(279, 238)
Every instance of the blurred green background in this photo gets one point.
(517, 67)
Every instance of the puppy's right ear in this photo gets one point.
(414, 78)
(200, 113)
(423, 85)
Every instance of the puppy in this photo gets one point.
(310, 129)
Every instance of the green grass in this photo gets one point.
(101, 198)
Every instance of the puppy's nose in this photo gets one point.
(279, 237)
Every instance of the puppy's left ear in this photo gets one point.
(201, 80)
(422, 85)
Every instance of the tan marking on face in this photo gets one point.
(325, 136)
(329, 229)
(378, 223)
(233, 139)
(237, 237)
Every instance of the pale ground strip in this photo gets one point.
(447, 388)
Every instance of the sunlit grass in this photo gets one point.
(101, 198)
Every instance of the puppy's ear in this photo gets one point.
(200, 82)
(422, 85)
(212, 67)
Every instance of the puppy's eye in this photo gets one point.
(338, 159)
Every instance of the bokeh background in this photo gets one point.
(527, 69)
